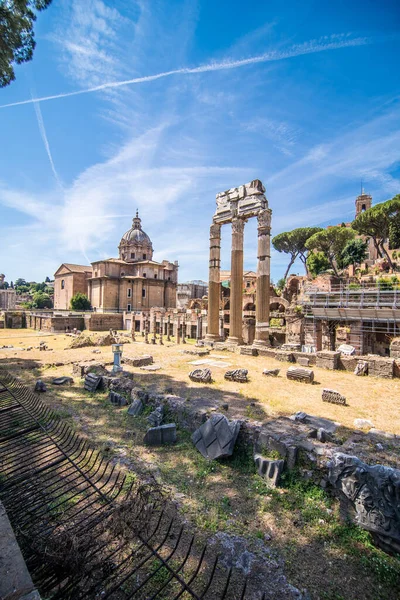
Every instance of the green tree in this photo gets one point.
(17, 39)
(354, 252)
(294, 243)
(41, 300)
(20, 282)
(80, 302)
(331, 242)
(317, 263)
(381, 222)
(38, 287)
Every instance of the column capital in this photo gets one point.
(264, 219)
(237, 225)
(215, 230)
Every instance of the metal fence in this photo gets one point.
(86, 531)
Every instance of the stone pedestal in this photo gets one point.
(236, 299)
(214, 283)
(263, 278)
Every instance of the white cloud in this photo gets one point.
(310, 47)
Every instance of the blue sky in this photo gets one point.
(161, 104)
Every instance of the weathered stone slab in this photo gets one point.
(328, 359)
(316, 422)
(379, 366)
(303, 361)
(361, 368)
(117, 399)
(284, 356)
(163, 434)
(333, 396)
(40, 386)
(197, 352)
(269, 469)
(83, 368)
(216, 437)
(248, 351)
(299, 374)
(92, 382)
(239, 375)
(155, 418)
(369, 496)
(271, 372)
(136, 408)
(62, 380)
(138, 361)
(346, 349)
(200, 375)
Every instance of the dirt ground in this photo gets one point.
(298, 521)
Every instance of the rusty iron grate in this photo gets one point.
(84, 530)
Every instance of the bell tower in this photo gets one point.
(363, 202)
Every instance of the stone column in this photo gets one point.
(214, 290)
(161, 329)
(184, 329)
(169, 328)
(221, 328)
(199, 331)
(263, 278)
(236, 299)
(146, 330)
(178, 333)
(153, 339)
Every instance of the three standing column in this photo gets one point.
(236, 296)
(263, 278)
(214, 283)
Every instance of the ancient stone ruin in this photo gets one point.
(271, 372)
(201, 375)
(361, 368)
(370, 497)
(239, 375)
(298, 374)
(216, 437)
(236, 206)
(333, 396)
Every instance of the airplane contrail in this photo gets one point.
(310, 47)
(43, 134)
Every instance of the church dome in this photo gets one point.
(136, 234)
(135, 244)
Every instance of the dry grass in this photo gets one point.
(367, 397)
(331, 560)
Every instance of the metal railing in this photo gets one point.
(84, 532)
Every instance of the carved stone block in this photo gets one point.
(239, 375)
(271, 372)
(201, 375)
(163, 434)
(92, 382)
(361, 368)
(333, 396)
(370, 497)
(216, 437)
(117, 399)
(269, 469)
(298, 374)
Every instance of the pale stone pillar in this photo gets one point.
(146, 330)
(214, 290)
(178, 333)
(169, 328)
(184, 329)
(236, 299)
(263, 278)
(161, 329)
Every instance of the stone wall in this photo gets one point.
(14, 320)
(103, 321)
